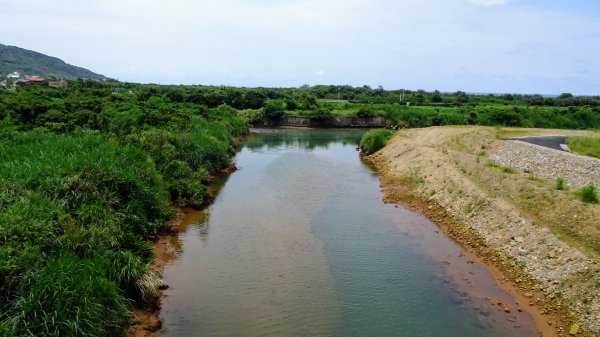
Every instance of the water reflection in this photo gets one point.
(268, 139)
(301, 244)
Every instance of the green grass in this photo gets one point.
(70, 296)
(492, 164)
(75, 216)
(374, 140)
(560, 184)
(585, 146)
(588, 194)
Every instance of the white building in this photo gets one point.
(14, 75)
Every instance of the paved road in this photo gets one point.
(550, 142)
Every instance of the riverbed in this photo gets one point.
(300, 243)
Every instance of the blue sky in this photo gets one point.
(516, 46)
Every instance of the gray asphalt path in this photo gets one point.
(550, 142)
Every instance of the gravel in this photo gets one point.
(577, 171)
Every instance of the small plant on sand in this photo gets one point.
(491, 164)
(560, 184)
(588, 194)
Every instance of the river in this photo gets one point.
(299, 243)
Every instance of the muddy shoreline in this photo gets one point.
(442, 173)
(146, 321)
(525, 290)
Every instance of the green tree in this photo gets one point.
(274, 108)
(461, 97)
(436, 97)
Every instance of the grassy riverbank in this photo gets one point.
(544, 240)
(88, 180)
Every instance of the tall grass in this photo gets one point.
(87, 176)
(585, 146)
(69, 296)
(76, 214)
(374, 140)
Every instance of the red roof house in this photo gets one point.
(35, 80)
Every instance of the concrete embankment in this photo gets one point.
(542, 241)
(334, 122)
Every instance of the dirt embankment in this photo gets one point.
(543, 243)
(145, 322)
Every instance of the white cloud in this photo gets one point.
(319, 72)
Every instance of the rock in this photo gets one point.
(505, 239)
(523, 251)
(552, 254)
(574, 330)
(519, 239)
(506, 310)
(528, 295)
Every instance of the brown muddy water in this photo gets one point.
(300, 243)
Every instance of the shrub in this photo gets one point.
(274, 108)
(365, 113)
(252, 117)
(184, 185)
(374, 140)
(588, 194)
(560, 184)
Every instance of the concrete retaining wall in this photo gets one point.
(342, 122)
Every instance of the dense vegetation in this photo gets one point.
(87, 178)
(374, 140)
(33, 63)
(88, 175)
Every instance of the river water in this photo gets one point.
(299, 243)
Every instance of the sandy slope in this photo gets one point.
(544, 241)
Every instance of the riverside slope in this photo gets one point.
(514, 221)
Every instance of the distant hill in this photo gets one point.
(28, 62)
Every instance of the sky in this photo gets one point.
(491, 46)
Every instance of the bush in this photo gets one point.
(588, 194)
(184, 185)
(560, 184)
(374, 140)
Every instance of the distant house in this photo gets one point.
(35, 80)
(14, 75)
(3, 84)
(58, 84)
